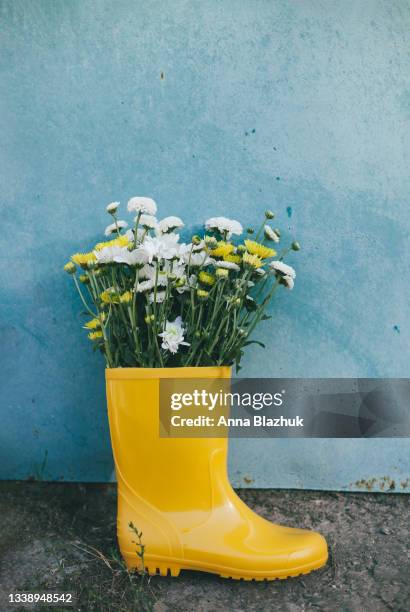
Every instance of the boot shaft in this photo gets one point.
(172, 474)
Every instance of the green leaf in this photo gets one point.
(254, 342)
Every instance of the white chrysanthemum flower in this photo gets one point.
(141, 233)
(271, 234)
(162, 280)
(228, 265)
(174, 268)
(112, 208)
(111, 229)
(157, 299)
(159, 247)
(107, 254)
(288, 280)
(260, 271)
(147, 221)
(197, 259)
(282, 268)
(146, 272)
(173, 336)
(224, 225)
(132, 258)
(145, 286)
(189, 284)
(169, 224)
(185, 250)
(162, 277)
(142, 205)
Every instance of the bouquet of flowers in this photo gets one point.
(154, 301)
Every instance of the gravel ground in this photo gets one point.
(61, 537)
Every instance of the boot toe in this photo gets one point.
(310, 548)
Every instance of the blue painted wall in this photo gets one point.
(217, 107)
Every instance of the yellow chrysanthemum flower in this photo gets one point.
(70, 268)
(83, 259)
(96, 322)
(121, 241)
(253, 261)
(93, 324)
(96, 335)
(233, 258)
(126, 298)
(109, 296)
(255, 248)
(202, 294)
(222, 249)
(206, 278)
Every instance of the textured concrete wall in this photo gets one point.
(217, 107)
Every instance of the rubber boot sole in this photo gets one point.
(159, 566)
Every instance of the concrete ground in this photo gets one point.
(61, 537)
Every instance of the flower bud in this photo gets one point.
(70, 268)
(149, 319)
(250, 230)
(211, 241)
(197, 334)
(271, 234)
(295, 246)
(112, 208)
(95, 335)
(269, 214)
(250, 303)
(222, 273)
(83, 278)
(241, 248)
(196, 239)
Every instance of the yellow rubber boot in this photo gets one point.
(176, 491)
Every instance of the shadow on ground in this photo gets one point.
(61, 537)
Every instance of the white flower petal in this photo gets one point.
(222, 224)
(143, 205)
(145, 286)
(289, 282)
(108, 254)
(282, 268)
(148, 221)
(111, 229)
(169, 224)
(271, 234)
(160, 297)
(112, 207)
(228, 265)
(173, 336)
